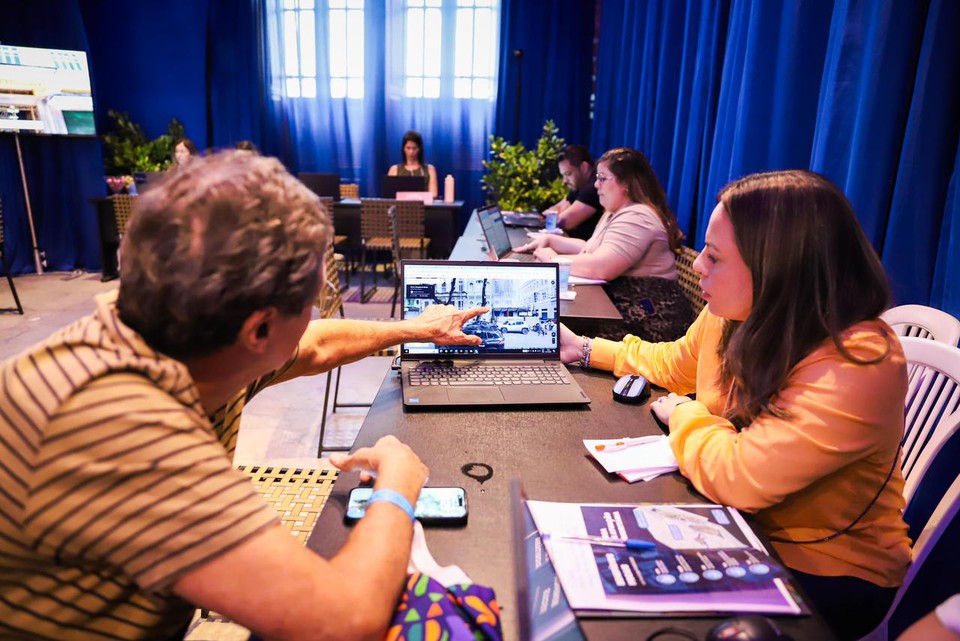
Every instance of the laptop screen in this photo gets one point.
(491, 220)
(522, 297)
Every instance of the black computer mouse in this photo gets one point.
(631, 388)
(747, 628)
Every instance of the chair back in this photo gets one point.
(395, 249)
(350, 190)
(689, 280)
(932, 413)
(930, 543)
(330, 300)
(923, 322)
(374, 222)
(122, 211)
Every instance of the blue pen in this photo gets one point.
(630, 544)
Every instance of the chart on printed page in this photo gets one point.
(672, 558)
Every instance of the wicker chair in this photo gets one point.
(376, 234)
(6, 267)
(689, 280)
(350, 190)
(122, 211)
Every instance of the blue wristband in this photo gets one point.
(389, 496)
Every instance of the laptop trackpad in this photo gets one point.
(474, 395)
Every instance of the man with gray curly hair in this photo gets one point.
(121, 510)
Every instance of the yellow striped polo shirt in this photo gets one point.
(113, 484)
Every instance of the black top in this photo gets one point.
(587, 194)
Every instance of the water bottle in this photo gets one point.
(448, 189)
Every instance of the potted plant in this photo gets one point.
(521, 179)
(127, 151)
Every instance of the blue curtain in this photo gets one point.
(862, 91)
(553, 72)
(360, 139)
(62, 172)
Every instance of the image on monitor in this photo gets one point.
(45, 91)
(522, 299)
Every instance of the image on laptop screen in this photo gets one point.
(522, 297)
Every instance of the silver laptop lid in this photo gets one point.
(523, 299)
(491, 221)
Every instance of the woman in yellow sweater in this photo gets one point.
(799, 389)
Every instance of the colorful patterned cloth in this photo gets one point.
(428, 611)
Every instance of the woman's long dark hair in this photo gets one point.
(412, 136)
(633, 169)
(814, 275)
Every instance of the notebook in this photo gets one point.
(323, 185)
(523, 219)
(519, 360)
(542, 608)
(390, 185)
(491, 221)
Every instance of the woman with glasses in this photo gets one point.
(632, 248)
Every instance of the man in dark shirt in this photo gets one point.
(580, 210)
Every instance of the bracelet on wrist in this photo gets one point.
(585, 350)
(394, 498)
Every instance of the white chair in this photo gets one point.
(932, 405)
(923, 322)
(929, 540)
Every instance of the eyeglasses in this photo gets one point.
(602, 178)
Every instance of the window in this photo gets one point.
(423, 42)
(475, 49)
(346, 48)
(471, 45)
(299, 49)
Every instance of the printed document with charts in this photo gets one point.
(696, 558)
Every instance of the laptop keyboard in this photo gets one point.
(465, 375)
(521, 257)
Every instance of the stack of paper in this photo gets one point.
(634, 459)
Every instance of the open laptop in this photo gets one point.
(390, 185)
(323, 185)
(519, 360)
(491, 221)
(542, 608)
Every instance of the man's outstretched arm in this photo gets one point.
(329, 343)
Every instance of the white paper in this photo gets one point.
(653, 454)
(580, 280)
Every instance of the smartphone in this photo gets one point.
(436, 505)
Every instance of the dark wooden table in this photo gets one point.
(441, 223)
(543, 447)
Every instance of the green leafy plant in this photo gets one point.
(521, 179)
(127, 150)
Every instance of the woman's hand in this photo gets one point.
(545, 254)
(538, 241)
(570, 345)
(663, 407)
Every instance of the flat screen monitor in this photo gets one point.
(390, 185)
(323, 185)
(45, 91)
